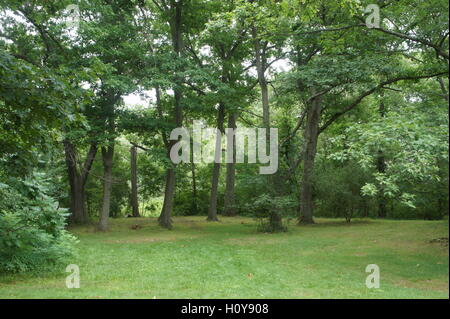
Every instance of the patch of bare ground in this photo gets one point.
(443, 241)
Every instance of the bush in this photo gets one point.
(32, 234)
(270, 211)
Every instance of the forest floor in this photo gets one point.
(230, 259)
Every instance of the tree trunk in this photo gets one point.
(275, 219)
(77, 208)
(229, 201)
(77, 203)
(107, 155)
(261, 65)
(212, 212)
(309, 155)
(77, 181)
(165, 219)
(134, 186)
(276, 222)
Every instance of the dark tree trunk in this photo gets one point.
(309, 155)
(229, 201)
(77, 207)
(107, 155)
(77, 181)
(212, 212)
(134, 186)
(77, 203)
(165, 219)
(276, 222)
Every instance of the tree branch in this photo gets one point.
(337, 115)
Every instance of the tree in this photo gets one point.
(173, 12)
(112, 40)
(134, 184)
(227, 37)
(53, 62)
(343, 71)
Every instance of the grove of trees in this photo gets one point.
(360, 104)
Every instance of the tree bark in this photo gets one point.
(134, 186)
(165, 219)
(309, 155)
(212, 212)
(77, 181)
(107, 156)
(229, 201)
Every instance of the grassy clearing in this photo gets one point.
(230, 260)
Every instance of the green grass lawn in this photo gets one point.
(231, 260)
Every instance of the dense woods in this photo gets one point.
(90, 92)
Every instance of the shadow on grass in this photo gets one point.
(342, 223)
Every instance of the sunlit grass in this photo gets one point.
(230, 259)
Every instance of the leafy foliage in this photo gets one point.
(32, 228)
